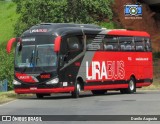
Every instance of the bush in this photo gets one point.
(156, 55)
(108, 25)
(7, 63)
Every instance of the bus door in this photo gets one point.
(70, 57)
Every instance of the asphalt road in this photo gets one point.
(113, 103)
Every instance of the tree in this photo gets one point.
(61, 11)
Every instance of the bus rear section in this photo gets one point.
(70, 58)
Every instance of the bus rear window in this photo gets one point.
(143, 44)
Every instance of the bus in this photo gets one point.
(70, 58)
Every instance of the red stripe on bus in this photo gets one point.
(128, 33)
(46, 90)
(114, 86)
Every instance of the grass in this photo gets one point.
(8, 18)
(154, 86)
(156, 80)
(10, 95)
(7, 96)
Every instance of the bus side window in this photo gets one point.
(126, 44)
(91, 44)
(110, 43)
(89, 40)
(75, 46)
(140, 44)
(148, 44)
(71, 46)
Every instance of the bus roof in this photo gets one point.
(60, 28)
(128, 33)
(66, 25)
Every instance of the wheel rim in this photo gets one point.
(131, 85)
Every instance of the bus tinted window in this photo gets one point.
(94, 42)
(110, 43)
(140, 43)
(126, 44)
(147, 44)
(75, 43)
(71, 46)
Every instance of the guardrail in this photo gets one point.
(4, 85)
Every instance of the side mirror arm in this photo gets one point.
(10, 44)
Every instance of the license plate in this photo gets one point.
(65, 84)
(33, 88)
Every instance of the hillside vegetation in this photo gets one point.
(8, 18)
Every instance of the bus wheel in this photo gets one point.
(98, 92)
(131, 86)
(76, 92)
(39, 96)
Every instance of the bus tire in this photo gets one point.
(39, 96)
(98, 92)
(131, 86)
(77, 89)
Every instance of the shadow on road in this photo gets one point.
(83, 95)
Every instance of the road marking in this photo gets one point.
(3, 104)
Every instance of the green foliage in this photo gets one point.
(61, 11)
(7, 63)
(8, 18)
(108, 25)
(156, 55)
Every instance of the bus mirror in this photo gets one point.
(9, 44)
(57, 44)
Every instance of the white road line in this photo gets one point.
(3, 104)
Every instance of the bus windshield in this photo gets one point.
(35, 56)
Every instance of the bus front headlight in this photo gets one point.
(16, 82)
(54, 81)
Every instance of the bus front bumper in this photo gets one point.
(34, 90)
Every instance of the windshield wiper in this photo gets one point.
(31, 64)
(31, 59)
